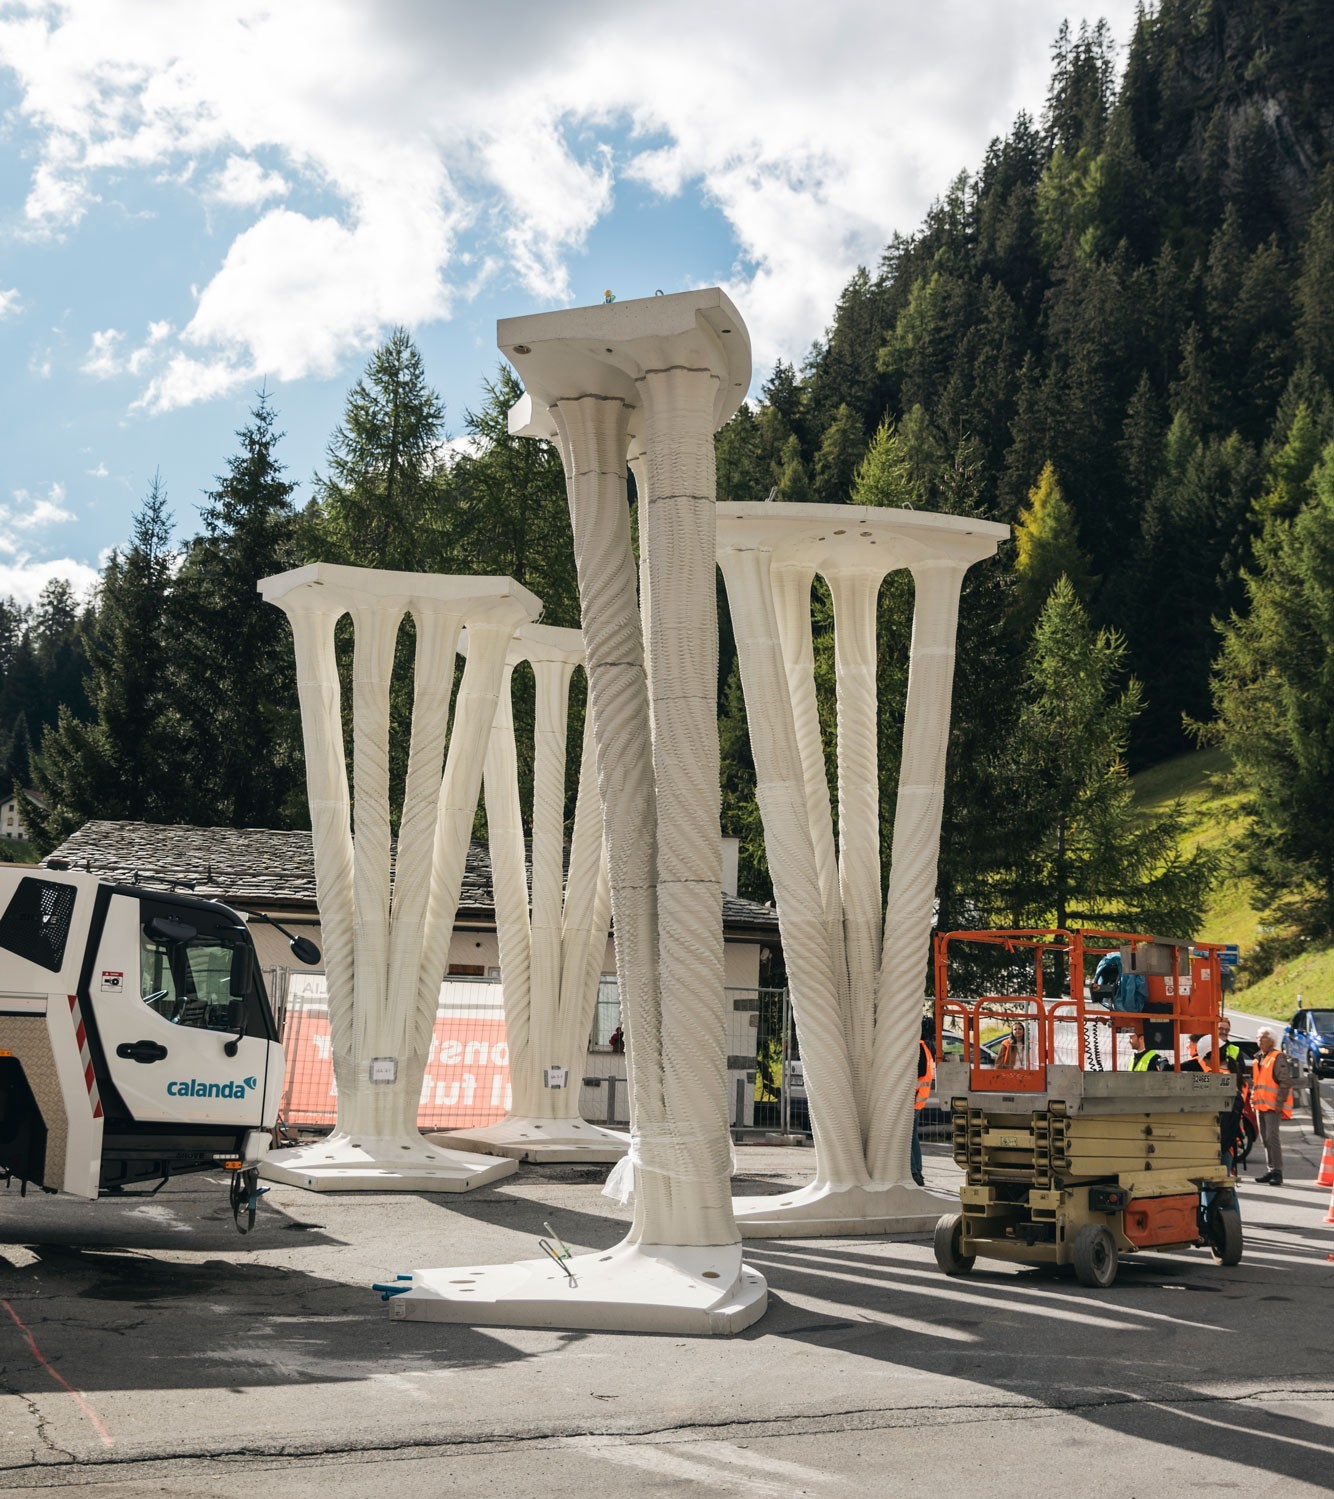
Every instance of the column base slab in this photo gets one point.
(540, 1141)
(667, 1288)
(344, 1163)
(826, 1212)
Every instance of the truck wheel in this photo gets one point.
(949, 1236)
(1225, 1241)
(1094, 1253)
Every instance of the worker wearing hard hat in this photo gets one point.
(1271, 1098)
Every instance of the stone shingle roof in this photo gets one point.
(262, 865)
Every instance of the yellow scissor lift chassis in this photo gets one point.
(1096, 1165)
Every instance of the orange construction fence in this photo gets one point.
(466, 1083)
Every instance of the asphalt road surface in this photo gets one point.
(146, 1349)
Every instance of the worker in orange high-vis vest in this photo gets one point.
(926, 1076)
(1271, 1098)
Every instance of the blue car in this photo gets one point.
(1309, 1042)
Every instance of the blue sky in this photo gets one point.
(197, 200)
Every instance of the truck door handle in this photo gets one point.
(141, 1051)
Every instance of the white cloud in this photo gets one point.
(31, 512)
(24, 578)
(10, 302)
(100, 472)
(101, 361)
(438, 138)
(243, 183)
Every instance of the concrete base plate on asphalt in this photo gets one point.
(821, 1211)
(148, 1350)
(555, 1141)
(668, 1288)
(342, 1164)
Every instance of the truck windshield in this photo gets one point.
(1323, 1020)
(189, 980)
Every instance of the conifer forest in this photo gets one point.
(1115, 333)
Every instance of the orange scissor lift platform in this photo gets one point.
(1073, 1154)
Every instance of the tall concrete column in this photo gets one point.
(656, 377)
(384, 949)
(856, 979)
(552, 941)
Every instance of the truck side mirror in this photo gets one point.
(235, 1014)
(305, 951)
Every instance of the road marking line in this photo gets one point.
(698, 1470)
(91, 1415)
(725, 1452)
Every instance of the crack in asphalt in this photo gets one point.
(868, 1418)
(44, 1436)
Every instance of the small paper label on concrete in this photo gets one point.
(384, 1069)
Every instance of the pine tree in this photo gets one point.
(1290, 470)
(1273, 695)
(793, 482)
(882, 477)
(123, 763)
(1311, 294)
(841, 451)
(380, 502)
(1046, 550)
(743, 474)
(1080, 851)
(506, 511)
(234, 670)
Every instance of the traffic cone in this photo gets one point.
(1329, 1216)
(1326, 1176)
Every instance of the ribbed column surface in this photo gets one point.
(916, 850)
(682, 643)
(808, 943)
(594, 435)
(320, 697)
(509, 883)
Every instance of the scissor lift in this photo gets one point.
(1076, 1158)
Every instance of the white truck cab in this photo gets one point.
(136, 1038)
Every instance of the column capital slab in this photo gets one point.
(853, 538)
(329, 586)
(540, 644)
(605, 349)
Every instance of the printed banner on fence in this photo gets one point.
(466, 1083)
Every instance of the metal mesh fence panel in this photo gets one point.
(466, 1083)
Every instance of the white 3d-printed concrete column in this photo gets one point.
(551, 947)
(664, 373)
(385, 950)
(856, 988)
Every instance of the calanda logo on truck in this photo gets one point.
(196, 1088)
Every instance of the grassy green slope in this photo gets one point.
(1213, 820)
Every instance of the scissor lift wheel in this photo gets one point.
(1094, 1255)
(949, 1238)
(1223, 1224)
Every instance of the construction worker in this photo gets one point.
(926, 1076)
(1271, 1098)
(1226, 1057)
(1013, 1051)
(1149, 1060)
